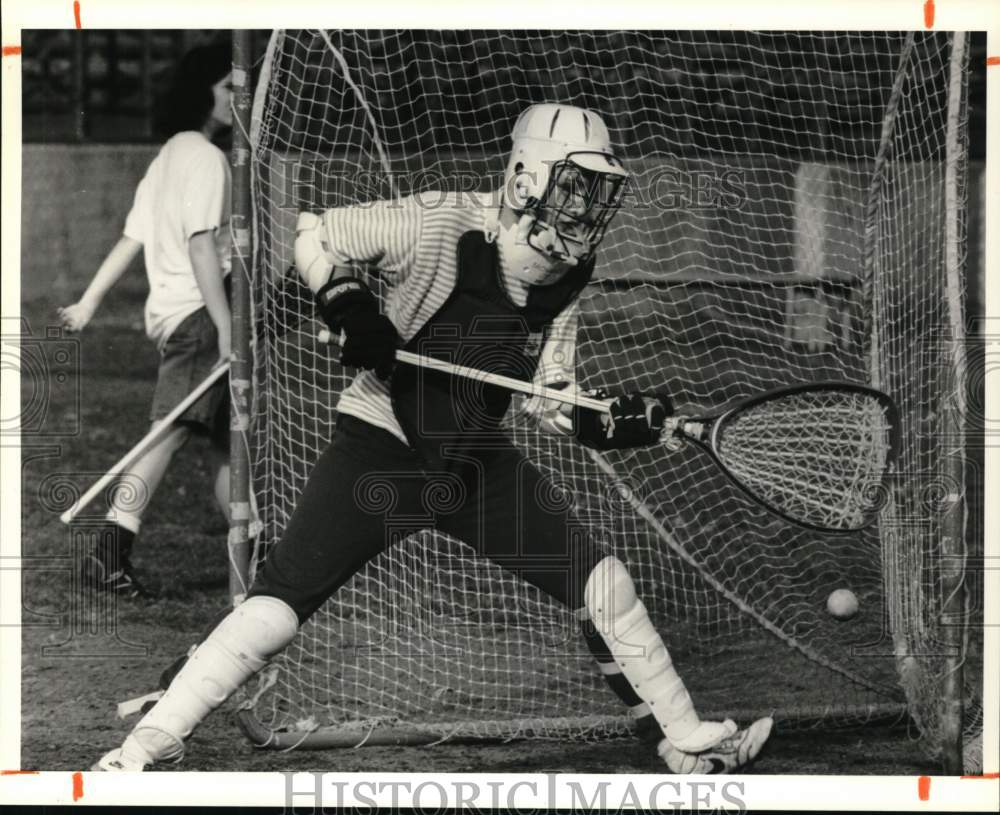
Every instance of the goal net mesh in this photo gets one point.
(786, 222)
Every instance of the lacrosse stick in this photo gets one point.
(817, 455)
(289, 312)
(148, 441)
(477, 375)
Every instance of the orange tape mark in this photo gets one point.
(76, 13)
(989, 60)
(77, 786)
(11, 51)
(924, 787)
(929, 13)
(987, 776)
(18, 772)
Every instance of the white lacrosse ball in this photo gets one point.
(842, 604)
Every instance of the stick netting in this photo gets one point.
(737, 265)
(819, 457)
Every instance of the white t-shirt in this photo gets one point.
(186, 190)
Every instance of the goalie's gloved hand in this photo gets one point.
(347, 304)
(635, 420)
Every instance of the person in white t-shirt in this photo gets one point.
(180, 220)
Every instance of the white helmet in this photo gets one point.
(563, 181)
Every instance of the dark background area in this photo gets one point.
(98, 86)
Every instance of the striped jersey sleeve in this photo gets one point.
(386, 233)
(415, 244)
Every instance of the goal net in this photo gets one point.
(796, 214)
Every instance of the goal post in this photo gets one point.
(241, 368)
(924, 525)
(797, 214)
(953, 540)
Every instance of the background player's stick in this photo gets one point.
(148, 441)
(287, 312)
(817, 455)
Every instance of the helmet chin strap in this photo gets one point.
(522, 258)
(528, 247)
(491, 225)
(524, 225)
(545, 239)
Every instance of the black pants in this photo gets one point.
(368, 489)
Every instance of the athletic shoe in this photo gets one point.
(117, 762)
(107, 567)
(157, 746)
(734, 752)
(122, 582)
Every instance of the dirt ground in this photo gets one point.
(80, 658)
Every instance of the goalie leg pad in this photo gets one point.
(640, 654)
(241, 645)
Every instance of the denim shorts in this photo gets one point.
(187, 358)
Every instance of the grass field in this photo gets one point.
(79, 659)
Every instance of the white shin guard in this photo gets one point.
(638, 650)
(239, 646)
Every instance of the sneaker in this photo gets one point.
(122, 582)
(734, 752)
(139, 754)
(107, 567)
(117, 762)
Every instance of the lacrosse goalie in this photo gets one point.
(474, 278)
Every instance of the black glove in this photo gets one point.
(346, 303)
(635, 420)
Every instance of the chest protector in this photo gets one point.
(478, 326)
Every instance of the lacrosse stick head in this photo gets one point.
(816, 455)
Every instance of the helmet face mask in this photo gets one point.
(563, 182)
(577, 206)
